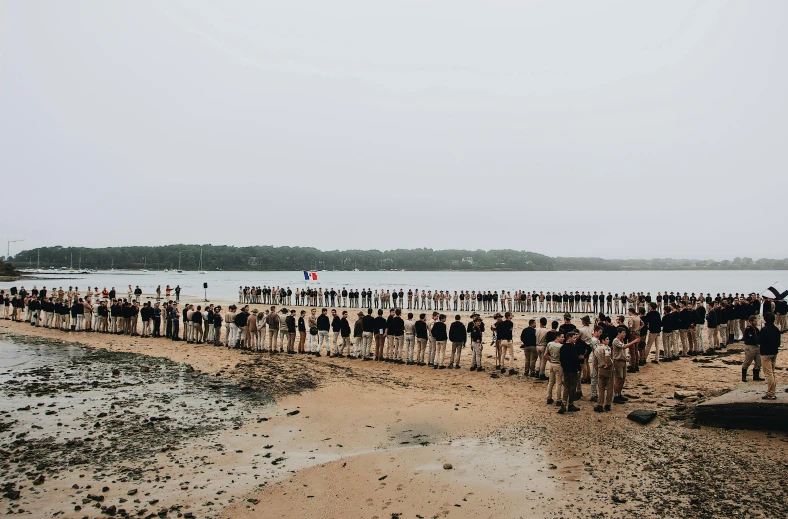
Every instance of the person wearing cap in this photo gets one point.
(476, 334)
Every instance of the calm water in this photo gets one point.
(224, 285)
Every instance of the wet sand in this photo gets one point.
(371, 440)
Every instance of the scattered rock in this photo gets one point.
(447, 466)
(619, 499)
(293, 413)
(642, 416)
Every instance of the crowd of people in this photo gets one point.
(601, 353)
(473, 301)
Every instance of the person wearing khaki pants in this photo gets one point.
(554, 372)
(769, 340)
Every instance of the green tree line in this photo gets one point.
(225, 257)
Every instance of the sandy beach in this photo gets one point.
(342, 438)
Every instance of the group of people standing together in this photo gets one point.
(601, 354)
(473, 301)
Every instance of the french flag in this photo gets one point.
(310, 275)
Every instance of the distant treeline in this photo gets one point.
(223, 257)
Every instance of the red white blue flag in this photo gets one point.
(310, 275)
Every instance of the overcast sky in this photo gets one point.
(612, 129)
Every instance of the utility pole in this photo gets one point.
(8, 251)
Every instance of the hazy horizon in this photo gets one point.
(610, 129)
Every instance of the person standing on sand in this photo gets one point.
(504, 331)
(555, 372)
(603, 367)
(380, 335)
(175, 316)
(619, 353)
(410, 338)
(358, 337)
(302, 331)
(177, 293)
(570, 359)
(441, 336)
(422, 335)
(752, 351)
(290, 324)
(312, 328)
(541, 347)
(528, 338)
(457, 335)
(477, 333)
(769, 340)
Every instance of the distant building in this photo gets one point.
(468, 259)
(253, 260)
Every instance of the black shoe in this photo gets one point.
(560, 403)
(473, 368)
(593, 399)
(607, 408)
(441, 367)
(497, 367)
(456, 366)
(572, 408)
(317, 354)
(655, 362)
(543, 377)
(599, 409)
(550, 401)
(512, 371)
(435, 366)
(619, 400)
(562, 410)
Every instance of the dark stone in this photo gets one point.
(620, 499)
(293, 413)
(642, 416)
(744, 408)
(111, 510)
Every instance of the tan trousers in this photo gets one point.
(752, 353)
(421, 346)
(556, 376)
(604, 389)
(684, 345)
(769, 363)
(507, 349)
(440, 352)
(530, 360)
(651, 342)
